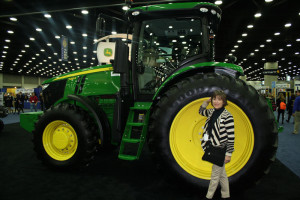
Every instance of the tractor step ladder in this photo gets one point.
(142, 110)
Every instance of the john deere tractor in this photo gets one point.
(152, 94)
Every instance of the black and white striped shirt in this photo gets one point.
(222, 130)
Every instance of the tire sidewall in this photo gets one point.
(71, 118)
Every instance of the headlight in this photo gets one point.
(45, 86)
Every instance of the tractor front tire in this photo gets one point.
(176, 127)
(63, 137)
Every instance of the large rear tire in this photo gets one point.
(64, 137)
(175, 130)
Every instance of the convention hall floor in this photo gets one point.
(22, 176)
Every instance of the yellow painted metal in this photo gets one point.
(60, 140)
(187, 130)
(85, 72)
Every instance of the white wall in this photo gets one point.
(12, 80)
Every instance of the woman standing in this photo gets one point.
(281, 109)
(219, 131)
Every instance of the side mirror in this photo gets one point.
(120, 63)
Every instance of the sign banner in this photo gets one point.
(272, 72)
(282, 85)
(64, 48)
(24, 91)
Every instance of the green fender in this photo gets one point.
(217, 67)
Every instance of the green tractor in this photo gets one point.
(152, 94)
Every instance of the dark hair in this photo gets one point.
(220, 93)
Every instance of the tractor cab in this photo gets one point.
(169, 37)
(165, 38)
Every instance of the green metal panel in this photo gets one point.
(172, 6)
(199, 65)
(27, 120)
(77, 73)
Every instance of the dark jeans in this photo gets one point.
(280, 112)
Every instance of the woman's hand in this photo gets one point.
(205, 103)
(227, 159)
(208, 100)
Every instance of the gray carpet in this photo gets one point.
(288, 148)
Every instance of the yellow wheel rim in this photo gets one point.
(60, 140)
(187, 130)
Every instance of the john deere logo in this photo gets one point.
(108, 52)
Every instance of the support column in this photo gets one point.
(1, 80)
(22, 83)
(270, 78)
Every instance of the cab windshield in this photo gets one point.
(163, 45)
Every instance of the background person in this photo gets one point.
(296, 113)
(279, 110)
(224, 129)
(33, 102)
(290, 106)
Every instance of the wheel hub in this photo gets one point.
(60, 140)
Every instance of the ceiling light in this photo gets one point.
(74, 52)
(32, 39)
(289, 45)
(268, 1)
(113, 32)
(244, 34)
(72, 42)
(13, 19)
(250, 26)
(236, 46)
(84, 47)
(170, 26)
(10, 31)
(7, 40)
(288, 25)
(277, 33)
(262, 45)
(94, 51)
(68, 26)
(240, 41)
(42, 50)
(6, 47)
(218, 2)
(84, 35)
(26, 45)
(57, 37)
(85, 12)
(256, 50)
(298, 39)
(268, 40)
(38, 29)
(47, 15)
(125, 8)
(257, 15)
(49, 44)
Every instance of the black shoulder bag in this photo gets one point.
(214, 155)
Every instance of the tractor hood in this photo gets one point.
(89, 70)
